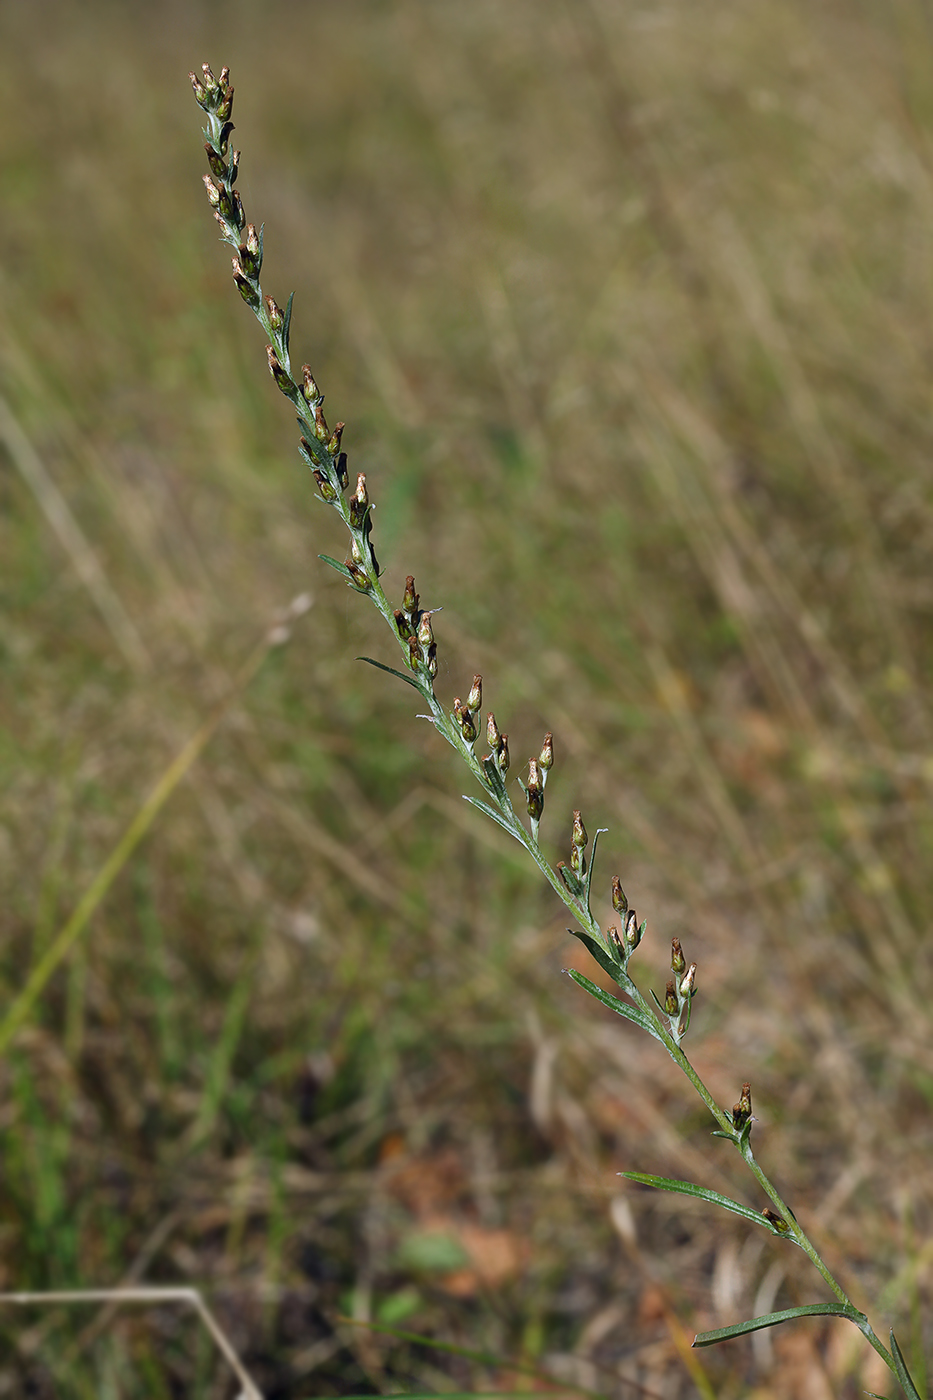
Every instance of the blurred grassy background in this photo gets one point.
(629, 310)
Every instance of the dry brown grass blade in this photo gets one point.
(73, 540)
(817, 443)
(717, 530)
(148, 1297)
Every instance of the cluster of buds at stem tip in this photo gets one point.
(214, 95)
(498, 744)
(465, 715)
(322, 454)
(626, 941)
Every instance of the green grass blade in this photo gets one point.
(121, 853)
(703, 1193)
(903, 1375)
(755, 1324)
(485, 1358)
(220, 1062)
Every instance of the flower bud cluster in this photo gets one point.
(679, 992)
(466, 715)
(624, 942)
(321, 447)
(538, 769)
(215, 97)
(414, 627)
(361, 562)
(498, 744)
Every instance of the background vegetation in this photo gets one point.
(629, 309)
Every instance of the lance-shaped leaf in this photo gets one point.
(603, 957)
(703, 1193)
(286, 327)
(755, 1324)
(490, 812)
(496, 781)
(341, 568)
(903, 1375)
(313, 451)
(621, 1008)
(391, 669)
(572, 882)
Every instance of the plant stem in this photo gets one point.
(321, 450)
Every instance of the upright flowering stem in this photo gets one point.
(413, 630)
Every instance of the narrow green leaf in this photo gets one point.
(755, 1324)
(573, 882)
(494, 779)
(334, 564)
(621, 1008)
(602, 956)
(603, 831)
(485, 1358)
(286, 323)
(903, 1375)
(703, 1193)
(490, 812)
(391, 669)
(315, 454)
